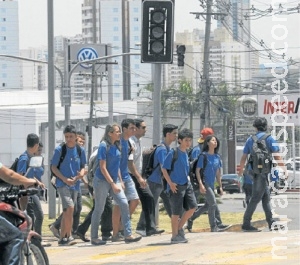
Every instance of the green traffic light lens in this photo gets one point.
(156, 47)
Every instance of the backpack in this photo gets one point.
(61, 159)
(148, 161)
(193, 166)
(14, 165)
(260, 157)
(93, 165)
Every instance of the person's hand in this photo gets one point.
(173, 187)
(116, 189)
(40, 184)
(142, 182)
(202, 189)
(70, 181)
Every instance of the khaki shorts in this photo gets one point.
(68, 197)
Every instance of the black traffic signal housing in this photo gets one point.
(157, 31)
(180, 54)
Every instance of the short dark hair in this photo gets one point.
(41, 144)
(80, 133)
(205, 144)
(70, 129)
(125, 123)
(261, 124)
(185, 133)
(32, 140)
(168, 128)
(138, 122)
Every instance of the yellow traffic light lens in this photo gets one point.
(157, 32)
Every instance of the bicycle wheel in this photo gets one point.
(34, 253)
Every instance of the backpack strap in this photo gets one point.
(174, 158)
(64, 152)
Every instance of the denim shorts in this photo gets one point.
(130, 190)
(183, 198)
(68, 197)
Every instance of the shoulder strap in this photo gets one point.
(204, 159)
(265, 136)
(175, 156)
(254, 137)
(78, 150)
(62, 154)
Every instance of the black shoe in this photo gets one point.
(98, 242)
(250, 228)
(189, 225)
(106, 238)
(221, 226)
(82, 237)
(132, 239)
(154, 232)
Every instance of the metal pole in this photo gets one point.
(156, 102)
(205, 80)
(51, 106)
(90, 130)
(110, 91)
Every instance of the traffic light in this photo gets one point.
(157, 31)
(180, 55)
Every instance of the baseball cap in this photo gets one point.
(204, 133)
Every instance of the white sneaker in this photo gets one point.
(141, 232)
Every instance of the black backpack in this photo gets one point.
(61, 159)
(148, 161)
(260, 157)
(193, 166)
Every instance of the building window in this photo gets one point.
(136, 66)
(116, 28)
(3, 19)
(136, 38)
(116, 76)
(115, 19)
(115, 10)
(4, 75)
(3, 84)
(116, 38)
(135, 19)
(135, 10)
(3, 29)
(3, 10)
(136, 29)
(3, 48)
(4, 66)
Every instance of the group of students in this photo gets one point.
(117, 179)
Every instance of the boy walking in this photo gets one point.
(180, 189)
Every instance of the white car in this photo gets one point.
(290, 163)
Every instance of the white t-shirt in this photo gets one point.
(136, 154)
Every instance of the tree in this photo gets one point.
(182, 99)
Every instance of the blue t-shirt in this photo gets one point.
(112, 155)
(248, 179)
(124, 160)
(274, 174)
(38, 172)
(23, 164)
(270, 142)
(71, 164)
(181, 167)
(213, 164)
(196, 151)
(159, 158)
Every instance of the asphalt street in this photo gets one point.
(230, 247)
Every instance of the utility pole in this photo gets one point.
(51, 106)
(205, 96)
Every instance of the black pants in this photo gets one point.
(106, 219)
(148, 206)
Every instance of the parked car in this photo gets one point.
(231, 183)
(290, 163)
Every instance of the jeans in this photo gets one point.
(248, 192)
(11, 242)
(260, 192)
(101, 189)
(213, 209)
(148, 207)
(106, 219)
(35, 211)
(77, 211)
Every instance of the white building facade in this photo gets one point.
(10, 71)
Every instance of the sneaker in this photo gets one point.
(221, 226)
(178, 239)
(45, 244)
(107, 238)
(71, 238)
(154, 232)
(66, 242)
(54, 231)
(276, 227)
(81, 236)
(217, 229)
(98, 242)
(244, 203)
(132, 239)
(141, 232)
(117, 238)
(250, 228)
(189, 225)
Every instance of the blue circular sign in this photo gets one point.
(87, 53)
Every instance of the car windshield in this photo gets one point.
(229, 176)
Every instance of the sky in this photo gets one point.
(67, 22)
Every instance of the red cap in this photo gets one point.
(204, 133)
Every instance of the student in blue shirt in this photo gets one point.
(211, 173)
(108, 180)
(260, 181)
(71, 170)
(179, 187)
